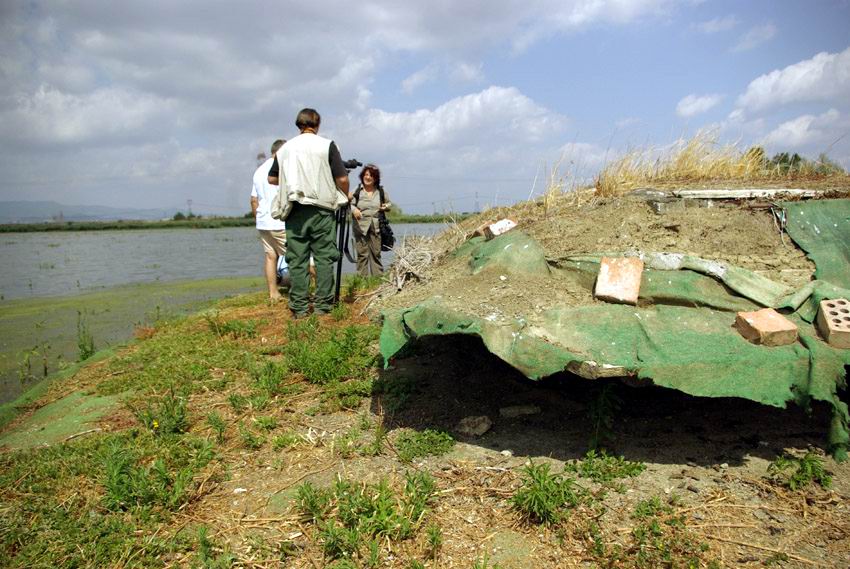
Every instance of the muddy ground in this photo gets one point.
(733, 233)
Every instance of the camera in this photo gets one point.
(352, 164)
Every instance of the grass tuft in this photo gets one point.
(418, 444)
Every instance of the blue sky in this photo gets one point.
(148, 104)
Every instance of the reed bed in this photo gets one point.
(704, 162)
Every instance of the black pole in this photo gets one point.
(342, 237)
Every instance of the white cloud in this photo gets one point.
(806, 130)
(718, 24)
(463, 72)
(693, 105)
(102, 117)
(755, 37)
(419, 78)
(823, 78)
(496, 113)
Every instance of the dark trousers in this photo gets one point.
(311, 230)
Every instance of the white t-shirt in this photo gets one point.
(264, 192)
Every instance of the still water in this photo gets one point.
(114, 281)
(72, 262)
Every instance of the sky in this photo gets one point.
(462, 104)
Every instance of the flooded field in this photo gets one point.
(112, 281)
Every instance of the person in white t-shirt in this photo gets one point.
(272, 232)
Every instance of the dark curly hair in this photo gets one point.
(376, 173)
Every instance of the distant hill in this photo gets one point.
(39, 211)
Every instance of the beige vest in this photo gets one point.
(305, 175)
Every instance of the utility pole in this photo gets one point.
(189, 205)
(477, 207)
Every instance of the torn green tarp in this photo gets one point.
(681, 335)
(822, 229)
(745, 283)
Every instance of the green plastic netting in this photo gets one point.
(681, 335)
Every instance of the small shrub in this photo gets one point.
(165, 417)
(269, 377)
(313, 502)
(128, 485)
(237, 402)
(543, 496)
(416, 444)
(233, 328)
(340, 312)
(266, 423)
(602, 410)
(806, 470)
(324, 356)
(85, 340)
(434, 539)
(285, 440)
(216, 421)
(394, 393)
(602, 468)
(250, 440)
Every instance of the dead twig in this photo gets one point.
(763, 548)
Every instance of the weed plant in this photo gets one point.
(250, 440)
(54, 500)
(270, 377)
(394, 393)
(418, 444)
(351, 516)
(209, 555)
(660, 539)
(285, 440)
(164, 417)
(797, 473)
(344, 395)
(603, 469)
(179, 355)
(232, 328)
(216, 421)
(238, 402)
(602, 409)
(545, 497)
(85, 340)
(266, 423)
(325, 355)
(434, 539)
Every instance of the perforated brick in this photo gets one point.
(834, 322)
(619, 279)
(766, 327)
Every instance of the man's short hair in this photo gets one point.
(307, 118)
(276, 145)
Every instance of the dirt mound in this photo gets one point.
(736, 234)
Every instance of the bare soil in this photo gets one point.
(732, 233)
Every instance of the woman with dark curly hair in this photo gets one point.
(367, 200)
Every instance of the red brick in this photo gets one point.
(619, 279)
(834, 322)
(766, 327)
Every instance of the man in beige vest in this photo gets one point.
(313, 184)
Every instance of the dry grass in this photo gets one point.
(703, 161)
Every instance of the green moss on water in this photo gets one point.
(46, 328)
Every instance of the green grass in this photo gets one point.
(545, 497)
(353, 519)
(97, 501)
(167, 416)
(395, 393)
(324, 355)
(603, 469)
(797, 473)
(230, 328)
(419, 444)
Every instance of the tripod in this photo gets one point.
(342, 234)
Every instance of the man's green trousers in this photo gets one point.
(311, 230)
